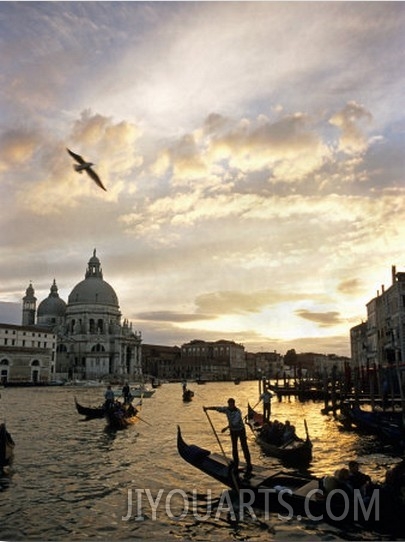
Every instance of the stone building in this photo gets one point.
(92, 342)
(380, 341)
(27, 354)
(217, 360)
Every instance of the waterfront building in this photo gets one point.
(27, 354)
(162, 362)
(92, 342)
(380, 341)
(218, 360)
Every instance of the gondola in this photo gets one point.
(294, 494)
(297, 452)
(90, 412)
(188, 396)
(6, 448)
(385, 425)
(121, 416)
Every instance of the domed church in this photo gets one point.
(92, 341)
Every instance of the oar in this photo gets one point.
(142, 420)
(234, 478)
(306, 428)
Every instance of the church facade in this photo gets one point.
(92, 341)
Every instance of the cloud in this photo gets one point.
(110, 145)
(17, 147)
(237, 302)
(349, 120)
(171, 316)
(10, 313)
(323, 319)
(350, 286)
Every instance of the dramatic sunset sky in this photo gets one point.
(253, 154)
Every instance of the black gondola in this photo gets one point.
(90, 412)
(121, 416)
(294, 495)
(188, 396)
(297, 452)
(385, 425)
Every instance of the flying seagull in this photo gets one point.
(86, 166)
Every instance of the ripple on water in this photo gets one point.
(73, 479)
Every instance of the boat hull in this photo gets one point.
(295, 453)
(295, 495)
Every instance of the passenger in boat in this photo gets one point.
(265, 431)
(339, 480)
(131, 410)
(109, 397)
(395, 481)
(266, 397)
(126, 393)
(275, 434)
(288, 433)
(119, 410)
(342, 476)
(238, 432)
(357, 479)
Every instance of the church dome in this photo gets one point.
(53, 305)
(93, 289)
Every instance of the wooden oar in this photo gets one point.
(142, 420)
(306, 428)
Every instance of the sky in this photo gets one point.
(253, 155)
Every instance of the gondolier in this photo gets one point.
(266, 397)
(238, 432)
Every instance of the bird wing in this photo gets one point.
(77, 157)
(95, 178)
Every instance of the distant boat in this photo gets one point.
(137, 391)
(188, 396)
(121, 416)
(90, 412)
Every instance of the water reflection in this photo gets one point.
(72, 478)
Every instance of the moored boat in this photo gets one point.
(386, 425)
(294, 452)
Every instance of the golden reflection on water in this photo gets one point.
(72, 478)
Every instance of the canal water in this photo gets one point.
(73, 480)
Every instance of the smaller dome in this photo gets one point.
(53, 305)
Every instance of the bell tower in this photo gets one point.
(29, 307)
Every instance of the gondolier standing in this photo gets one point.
(109, 397)
(266, 397)
(238, 432)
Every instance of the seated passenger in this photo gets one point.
(288, 433)
(357, 479)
